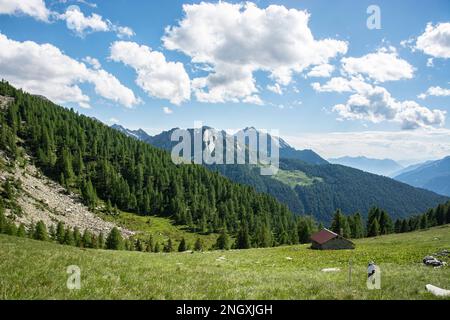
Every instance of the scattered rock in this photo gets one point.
(289, 258)
(437, 291)
(331, 270)
(432, 261)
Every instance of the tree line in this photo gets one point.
(106, 166)
(379, 222)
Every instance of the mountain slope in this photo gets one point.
(384, 167)
(432, 175)
(321, 189)
(354, 190)
(99, 162)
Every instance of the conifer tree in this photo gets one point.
(2, 219)
(68, 237)
(86, 240)
(60, 232)
(182, 246)
(223, 241)
(77, 237)
(374, 229)
(40, 232)
(243, 238)
(169, 246)
(114, 240)
(21, 232)
(198, 246)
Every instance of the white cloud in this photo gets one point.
(435, 41)
(124, 32)
(167, 110)
(340, 85)
(80, 24)
(276, 88)
(253, 99)
(383, 65)
(93, 62)
(33, 8)
(418, 145)
(321, 71)
(158, 77)
(436, 92)
(113, 120)
(236, 40)
(375, 104)
(43, 69)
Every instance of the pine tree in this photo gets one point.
(114, 240)
(77, 237)
(405, 226)
(21, 232)
(423, 222)
(86, 240)
(340, 224)
(243, 238)
(182, 247)
(157, 248)
(169, 246)
(223, 241)
(60, 232)
(68, 237)
(358, 227)
(3, 220)
(101, 241)
(385, 223)
(374, 229)
(198, 246)
(40, 232)
(398, 226)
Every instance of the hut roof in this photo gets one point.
(323, 236)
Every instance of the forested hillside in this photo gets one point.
(101, 163)
(352, 190)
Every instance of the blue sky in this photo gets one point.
(220, 64)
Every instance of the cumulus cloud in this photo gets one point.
(321, 71)
(340, 85)
(383, 65)
(43, 69)
(156, 76)
(80, 24)
(375, 104)
(436, 92)
(435, 41)
(32, 8)
(236, 40)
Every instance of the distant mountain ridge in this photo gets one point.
(431, 175)
(384, 167)
(163, 141)
(311, 186)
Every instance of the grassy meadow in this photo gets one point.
(37, 270)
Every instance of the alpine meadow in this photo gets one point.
(241, 153)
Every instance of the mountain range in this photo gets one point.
(431, 175)
(384, 167)
(309, 184)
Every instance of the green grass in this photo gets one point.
(295, 178)
(37, 270)
(160, 228)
